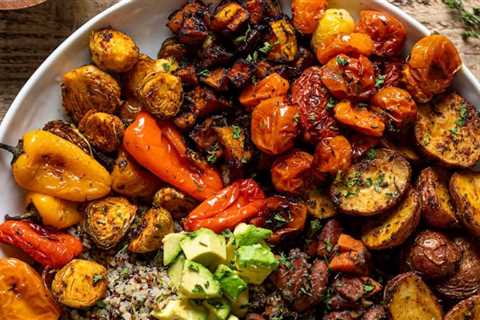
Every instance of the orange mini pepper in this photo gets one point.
(160, 148)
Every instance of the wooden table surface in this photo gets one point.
(28, 36)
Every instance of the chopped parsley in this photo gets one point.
(204, 73)
(266, 47)
(426, 140)
(371, 154)
(463, 116)
(125, 272)
(166, 67)
(252, 57)
(101, 304)
(379, 81)
(97, 278)
(367, 287)
(243, 38)
(328, 245)
(296, 118)
(332, 102)
(236, 132)
(212, 153)
(315, 226)
(341, 61)
(285, 261)
(378, 183)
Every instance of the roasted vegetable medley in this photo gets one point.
(262, 166)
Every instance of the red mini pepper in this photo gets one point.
(239, 202)
(51, 249)
(160, 148)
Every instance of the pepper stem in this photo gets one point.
(8, 148)
(15, 151)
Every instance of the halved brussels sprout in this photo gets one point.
(156, 223)
(104, 131)
(174, 201)
(68, 132)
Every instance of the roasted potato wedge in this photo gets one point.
(468, 309)
(437, 207)
(174, 202)
(372, 186)
(319, 204)
(156, 223)
(409, 298)
(70, 133)
(465, 191)
(447, 130)
(466, 281)
(80, 284)
(103, 130)
(393, 228)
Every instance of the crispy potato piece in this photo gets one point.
(465, 190)
(437, 207)
(189, 23)
(156, 224)
(447, 130)
(213, 53)
(359, 119)
(68, 132)
(373, 186)
(409, 298)
(104, 131)
(319, 204)
(406, 151)
(468, 309)
(393, 228)
(188, 75)
(229, 17)
(240, 73)
(283, 40)
(466, 281)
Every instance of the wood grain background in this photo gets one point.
(28, 36)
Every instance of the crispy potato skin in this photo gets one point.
(468, 309)
(466, 281)
(229, 17)
(408, 297)
(437, 207)
(465, 188)
(319, 204)
(433, 255)
(104, 131)
(371, 187)
(447, 130)
(89, 88)
(290, 173)
(156, 224)
(113, 50)
(307, 13)
(80, 284)
(68, 132)
(393, 229)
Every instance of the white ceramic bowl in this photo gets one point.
(40, 98)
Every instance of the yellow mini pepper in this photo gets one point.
(48, 164)
(54, 212)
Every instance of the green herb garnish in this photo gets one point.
(341, 61)
(236, 132)
(379, 81)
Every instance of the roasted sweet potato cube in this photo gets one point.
(216, 79)
(229, 17)
(250, 39)
(193, 31)
(189, 23)
(262, 69)
(186, 119)
(205, 101)
(256, 10)
(203, 134)
(233, 140)
(272, 8)
(188, 75)
(171, 48)
(240, 73)
(213, 54)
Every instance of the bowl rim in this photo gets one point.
(77, 34)
(19, 4)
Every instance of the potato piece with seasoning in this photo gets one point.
(372, 185)
(319, 204)
(89, 88)
(156, 223)
(465, 310)
(171, 48)
(283, 41)
(108, 220)
(447, 130)
(359, 119)
(104, 131)
(113, 50)
(132, 180)
(465, 190)
(307, 13)
(291, 172)
(23, 293)
(80, 284)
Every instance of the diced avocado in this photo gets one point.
(240, 306)
(230, 250)
(248, 234)
(205, 247)
(218, 309)
(171, 247)
(181, 310)
(255, 262)
(198, 282)
(232, 317)
(232, 285)
(175, 271)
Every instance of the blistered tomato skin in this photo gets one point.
(291, 173)
(333, 22)
(429, 71)
(311, 97)
(349, 78)
(359, 119)
(386, 31)
(307, 13)
(272, 85)
(353, 44)
(274, 126)
(332, 155)
(397, 105)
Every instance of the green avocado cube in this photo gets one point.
(232, 285)
(171, 247)
(255, 263)
(248, 234)
(175, 271)
(205, 247)
(218, 309)
(232, 317)
(198, 282)
(181, 310)
(240, 306)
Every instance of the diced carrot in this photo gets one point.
(347, 243)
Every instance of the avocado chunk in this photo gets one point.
(240, 306)
(175, 271)
(232, 285)
(171, 247)
(232, 317)
(206, 247)
(181, 310)
(248, 234)
(198, 282)
(255, 262)
(218, 309)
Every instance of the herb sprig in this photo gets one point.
(470, 19)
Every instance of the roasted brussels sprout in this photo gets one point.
(104, 131)
(156, 223)
(129, 110)
(465, 310)
(68, 132)
(174, 201)
(89, 88)
(433, 255)
(171, 48)
(107, 220)
(291, 173)
(132, 180)
(283, 41)
(113, 50)
(80, 284)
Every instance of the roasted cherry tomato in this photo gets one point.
(359, 119)
(397, 105)
(312, 98)
(386, 31)
(433, 62)
(274, 125)
(271, 86)
(307, 13)
(239, 202)
(349, 78)
(352, 44)
(291, 173)
(332, 155)
(389, 72)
